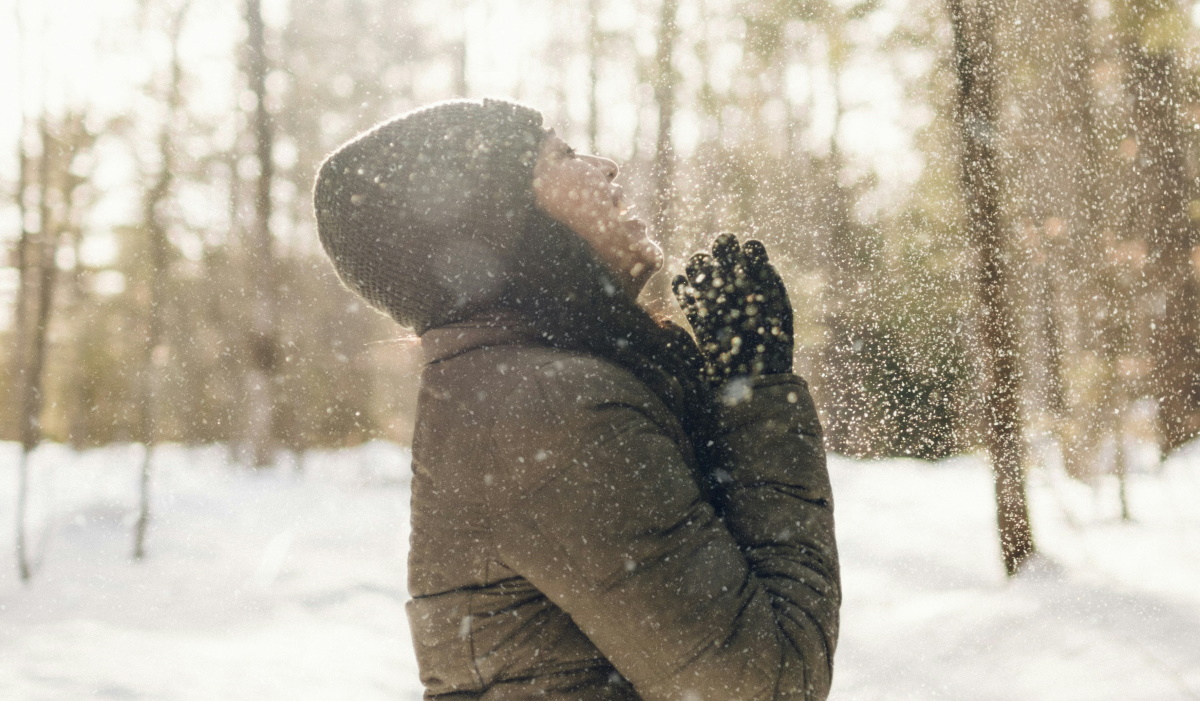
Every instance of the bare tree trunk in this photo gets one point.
(261, 261)
(21, 321)
(1162, 193)
(37, 320)
(21, 312)
(976, 68)
(38, 278)
(1121, 468)
(838, 363)
(156, 231)
(21, 355)
(459, 49)
(1053, 298)
(664, 152)
(1099, 417)
(594, 43)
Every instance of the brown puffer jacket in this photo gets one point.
(562, 550)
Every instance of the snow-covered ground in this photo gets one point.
(290, 583)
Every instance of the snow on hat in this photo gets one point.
(419, 214)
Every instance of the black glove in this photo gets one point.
(739, 309)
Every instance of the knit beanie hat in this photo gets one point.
(421, 213)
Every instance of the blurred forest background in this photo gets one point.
(162, 279)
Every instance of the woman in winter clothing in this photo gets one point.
(602, 507)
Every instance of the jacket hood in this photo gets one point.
(420, 214)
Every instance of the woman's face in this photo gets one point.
(579, 191)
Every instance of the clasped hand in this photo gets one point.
(739, 309)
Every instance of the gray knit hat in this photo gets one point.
(420, 214)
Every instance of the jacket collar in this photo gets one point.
(493, 328)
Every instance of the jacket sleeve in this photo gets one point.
(599, 510)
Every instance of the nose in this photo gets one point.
(609, 166)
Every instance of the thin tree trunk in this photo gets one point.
(845, 406)
(1101, 418)
(156, 231)
(36, 299)
(21, 322)
(664, 152)
(261, 272)
(976, 69)
(594, 41)
(25, 288)
(459, 49)
(23, 567)
(1121, 467)
(1052, 301)
(1162, 192)
(1082, 420)
(1044, 182)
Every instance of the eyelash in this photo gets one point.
(570, 153)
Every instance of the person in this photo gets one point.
(602, 507)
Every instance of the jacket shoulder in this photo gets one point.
(521, 376)
(575, 386)
(557, 405)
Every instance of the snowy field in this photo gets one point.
(290, 584)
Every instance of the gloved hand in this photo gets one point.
(739, 309)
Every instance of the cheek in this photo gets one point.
(571, 197)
